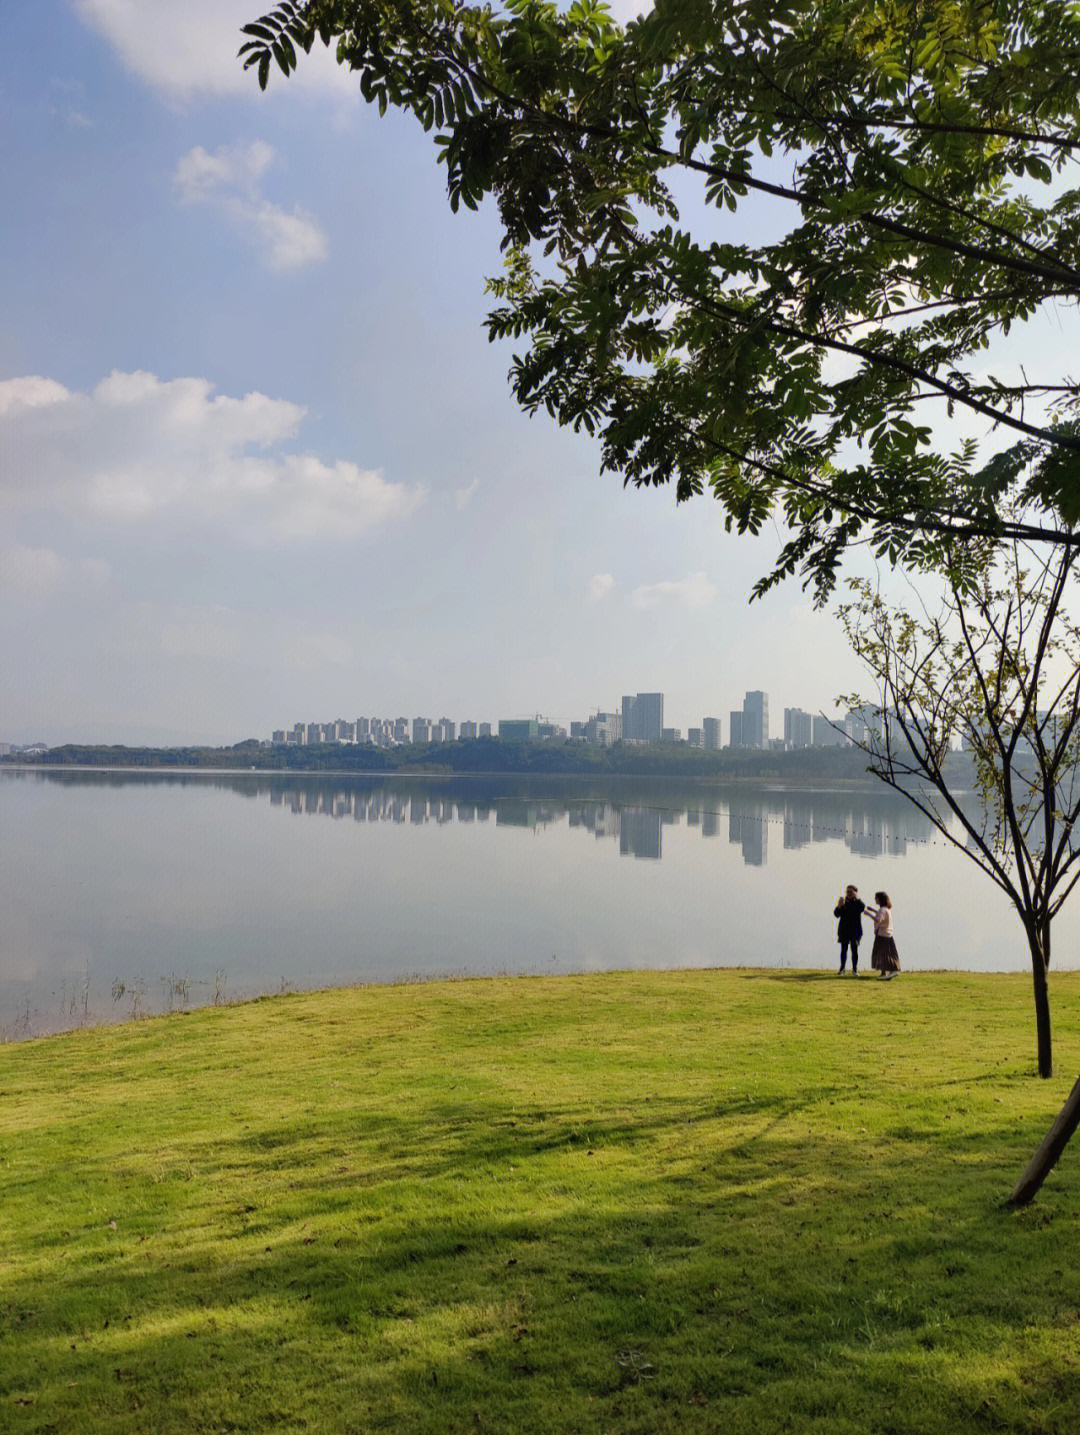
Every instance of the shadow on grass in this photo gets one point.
(648, 1277)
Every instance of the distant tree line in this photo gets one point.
(484, 754)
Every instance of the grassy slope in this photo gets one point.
(695, 1201)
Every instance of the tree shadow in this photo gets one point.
(643, 1275)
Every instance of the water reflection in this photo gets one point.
(123, 893)
(633, 813)
(869, 824)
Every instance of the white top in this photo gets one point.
(882, 920)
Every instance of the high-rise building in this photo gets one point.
(670, 734)
(695, 737)
(643, 717)
(865, 725)
(519, 729)
(855, 726)
(449, 729)
(604, 728)
(421, 729)
(710, 728)
(735, 729)
(798, 728)
(756, 720)
(468, 729)
(484, 731)
(825, 733)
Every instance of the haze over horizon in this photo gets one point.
(261, 464)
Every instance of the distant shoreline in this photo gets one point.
(482, 757)
(818, 784)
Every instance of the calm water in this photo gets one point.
(123, 894)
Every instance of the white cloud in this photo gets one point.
(35, 572)
(139, 450)
(463, 496)
(183, 48)
(694, 591)
(289, 239)
(30, 392)
(200, 175)
(228, 181)
(599, 586)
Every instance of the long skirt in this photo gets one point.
(884, 957)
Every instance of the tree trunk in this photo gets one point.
(1045, 1158)
(1042, 1006)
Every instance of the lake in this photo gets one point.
(124, 894)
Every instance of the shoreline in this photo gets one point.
(823, 784)
(52, 1025)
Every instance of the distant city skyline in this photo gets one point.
(639, 718)
(746, 727)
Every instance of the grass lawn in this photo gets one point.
(720, 1201)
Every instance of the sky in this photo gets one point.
(260, 463)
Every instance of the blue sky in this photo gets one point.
(260, 463)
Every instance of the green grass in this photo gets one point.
(719, 1201)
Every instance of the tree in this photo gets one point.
(996, 664)
(903, 147)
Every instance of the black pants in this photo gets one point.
(846, 942)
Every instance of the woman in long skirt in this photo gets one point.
(884, 958)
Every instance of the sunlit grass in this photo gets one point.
(704, 1201)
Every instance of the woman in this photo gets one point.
(884, 958)
(849, 910)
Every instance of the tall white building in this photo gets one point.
(825, 734)
(798, 728)
(755, 724)
(643, 717)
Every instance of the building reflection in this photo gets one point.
(867, 824)
(639, 833)
(630, 813)
(750, 832)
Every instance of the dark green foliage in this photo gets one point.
(903, 145)
(485, 754)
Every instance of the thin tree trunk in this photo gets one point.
(1045, 1158)
(1042, 1006)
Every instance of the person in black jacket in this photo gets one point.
(849, 911)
